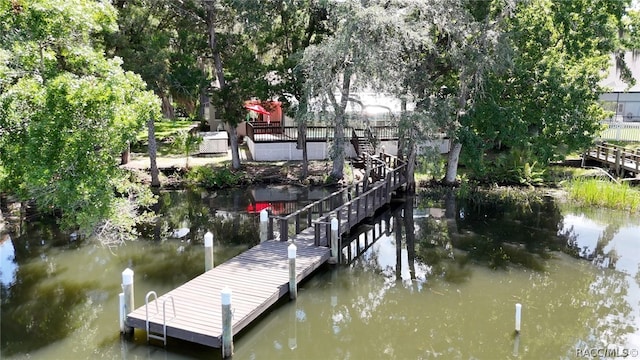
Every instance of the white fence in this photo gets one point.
(622, 131)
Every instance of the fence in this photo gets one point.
(620, 131)
(277, 133)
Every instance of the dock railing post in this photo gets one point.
(293, 287)
(227, 330)
(264, 225)
(208, 251)
(127, 289)
(335, 256)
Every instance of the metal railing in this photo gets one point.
(277, 133)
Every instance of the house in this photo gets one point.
(620, 98)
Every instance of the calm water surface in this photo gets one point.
(440, 281)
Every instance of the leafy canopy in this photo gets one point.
(66, 111)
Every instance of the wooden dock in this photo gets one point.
(259, 277)
(618, 159)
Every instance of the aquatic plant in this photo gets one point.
(596, 192)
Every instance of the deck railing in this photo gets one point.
(276, 133)
(618, 157)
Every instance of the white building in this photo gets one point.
(621, 99)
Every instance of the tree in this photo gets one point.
(282, 30)
(363, 51)
(67, 112)
(546, 104)
(160, 41)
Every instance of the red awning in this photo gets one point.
(257, 108)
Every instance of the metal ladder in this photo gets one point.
(157, 336)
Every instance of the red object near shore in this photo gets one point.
(257, 108)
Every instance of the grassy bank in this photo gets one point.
(602, 193)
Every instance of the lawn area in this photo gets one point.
(166, 129)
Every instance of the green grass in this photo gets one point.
(596, 192)
(166, 129)
(166, 132)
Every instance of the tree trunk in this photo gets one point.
(338, 131)
(168, 112)
(217, 60)
(235, 153)
(452, 163)
(411, 168)
(153, 150)
(337, 172)
(302, 145)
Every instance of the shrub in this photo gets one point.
(212, 178)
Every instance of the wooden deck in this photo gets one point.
(259, 277)
(617, 158)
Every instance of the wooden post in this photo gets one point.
(227, 329)
(617, 166)
(335, 256)
(293, 288)
(264, 225)
(127, 289)
(208, 251)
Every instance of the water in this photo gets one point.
(448, 291)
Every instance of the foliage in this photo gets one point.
(599, 193)
(66, 111)
(361, 53)
(186, 142)
(545, 105)
(164, 45)
(512, 168)
(213, 178)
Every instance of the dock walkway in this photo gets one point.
(617, 158)
(259, 277)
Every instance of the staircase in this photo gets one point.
(361, 145)
(365, 146)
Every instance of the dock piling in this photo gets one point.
(518, 316)
(208, 251)
(293, 287)
(335, 256)
(227, 330)
(264, 225)
(127, 289)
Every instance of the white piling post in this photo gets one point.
(227, 329)
(518, 316)
(335, 257)
(293, 287)
(122, 311)
(264, 225)
(127, 289)
(208, 251)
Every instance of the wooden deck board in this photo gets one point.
(258, 278)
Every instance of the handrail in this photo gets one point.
(620, 157)
(389, 168)
(164, 315)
